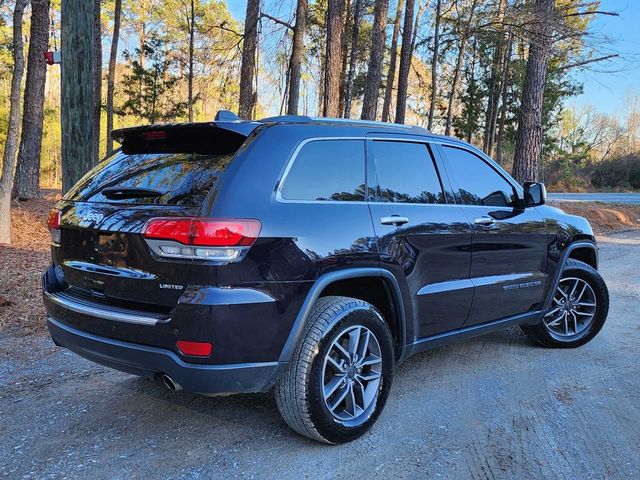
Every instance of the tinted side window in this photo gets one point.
(406, 173)
(478, 182)
(327, 170)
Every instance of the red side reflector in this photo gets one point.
(194, 349)
(53, 220)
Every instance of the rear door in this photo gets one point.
(508, 264)
(422, 236)
(102, 254)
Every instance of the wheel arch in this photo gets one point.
(578, 250)
(351, 282)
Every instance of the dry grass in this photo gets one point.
(22, 263)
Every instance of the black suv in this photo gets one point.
(309, 256)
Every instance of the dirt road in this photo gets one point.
(493, 407)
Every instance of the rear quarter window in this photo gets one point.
(178, 178)
(327, 170)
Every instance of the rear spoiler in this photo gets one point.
(218, 137)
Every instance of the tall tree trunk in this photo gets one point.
(434, 65)
(372, 84)
(405, 62)
(27, 181)
(11, 143)
(501, 93)
(111, 76)
(297, 52)
(344, 53)
(503, 104)
(495, 83)
(76, 92)
(248, 68)
(97, 80)
(335, 25)
(472, 92)
(464, 36)
(391, 74)
(192, 34)
(529, 137)
(355, 31)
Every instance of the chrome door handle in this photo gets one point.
(484, 221)
(394, 220)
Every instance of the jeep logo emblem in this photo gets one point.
(92, 217)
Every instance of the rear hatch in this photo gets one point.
(160, 171)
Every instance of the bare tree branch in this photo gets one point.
(277, 20)
(587, 62)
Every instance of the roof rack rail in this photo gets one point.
(349, 121)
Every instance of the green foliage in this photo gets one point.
(148, 86)
(618, 173)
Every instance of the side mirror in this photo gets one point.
(534, 194)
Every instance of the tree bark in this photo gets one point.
(503, 105)
(405, 62)
(27, 180)
(434, 65)
(335, 26)
(10, 146)
(491, 118)
(357, 8)
(372, 84)
(529, 137)
(464, 36)
(472, 89)
(297, 53)
(248, 68)
(344, 54)
(77, 91)
(97, 80)
(192, 34)
(500, 109)
(391, 74)
(111, 76)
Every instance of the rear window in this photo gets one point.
(327, 170)
(151, 178)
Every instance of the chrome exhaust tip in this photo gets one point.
(170, 384)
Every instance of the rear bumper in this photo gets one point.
(150, 361)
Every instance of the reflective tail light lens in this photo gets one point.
(194, 349)
(53, 224)
(223, 240)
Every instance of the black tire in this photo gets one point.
(576, 269)
(299, 391)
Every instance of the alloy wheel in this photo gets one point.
(573, 309)
(352, 375)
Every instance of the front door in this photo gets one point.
(508, 263)
(422, 236)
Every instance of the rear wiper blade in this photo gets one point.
(130, 192)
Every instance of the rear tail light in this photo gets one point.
(201, 238)
(53, 224)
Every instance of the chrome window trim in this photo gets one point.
(294, 156)
(426, 140)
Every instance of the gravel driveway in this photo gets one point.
(493, 407)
